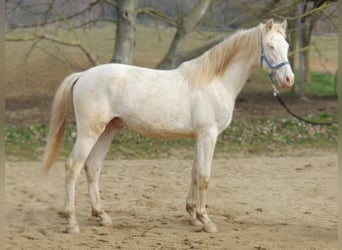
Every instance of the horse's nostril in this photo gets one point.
(288, 80)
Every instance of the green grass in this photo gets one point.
(322, 84)
(255, 136)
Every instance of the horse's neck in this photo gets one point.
(237, 74)
(230, 61)
(239, 70)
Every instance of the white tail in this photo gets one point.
(59, 111)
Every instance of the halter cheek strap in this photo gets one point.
(273, 68)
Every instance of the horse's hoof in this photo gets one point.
(195, 222)
(210, 228)
(72, 229)
(106, 221)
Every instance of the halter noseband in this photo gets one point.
(273, 68)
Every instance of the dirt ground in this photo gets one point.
(257, 202)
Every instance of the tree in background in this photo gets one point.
(185, 25)
(303, 16)
(46, 17)
(309, 12)
(125, 31)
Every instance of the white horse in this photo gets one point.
(195, 100)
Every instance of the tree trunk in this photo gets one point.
(305, 27)
(307, 71)
(292, 59)
(307, 41)
(185, 25)
(293, 39)
(125, 31)
(301, 69)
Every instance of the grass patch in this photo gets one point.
(259, 135)
(322, 84)
(276, 135)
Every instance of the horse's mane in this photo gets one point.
(213, 63)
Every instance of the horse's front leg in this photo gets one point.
(205, 146)
(192, 195)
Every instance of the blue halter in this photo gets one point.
(273, 68)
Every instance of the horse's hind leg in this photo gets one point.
(83, 146)
(93, 168)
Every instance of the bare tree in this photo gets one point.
(185, 25)
(48, 17)
(308, 14)
(197, 14)
(125, 31)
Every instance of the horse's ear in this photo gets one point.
(284, 24)
(269, 24)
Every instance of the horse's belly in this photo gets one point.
(156, 110)
(156, 126)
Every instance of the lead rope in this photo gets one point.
(281, 101)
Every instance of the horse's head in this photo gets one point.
(274, 50)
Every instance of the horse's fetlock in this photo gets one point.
(190, 208)
(201, 217)
(67, 214)
(97, 213)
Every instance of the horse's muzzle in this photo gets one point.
(288, 81)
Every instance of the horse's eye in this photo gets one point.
(271, 47)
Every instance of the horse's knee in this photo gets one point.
(70, 174)
(68, 163)
(92, 171)
(70, 168)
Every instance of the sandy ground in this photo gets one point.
(257, 202)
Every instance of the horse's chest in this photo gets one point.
(223, 118)
(213, 112)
